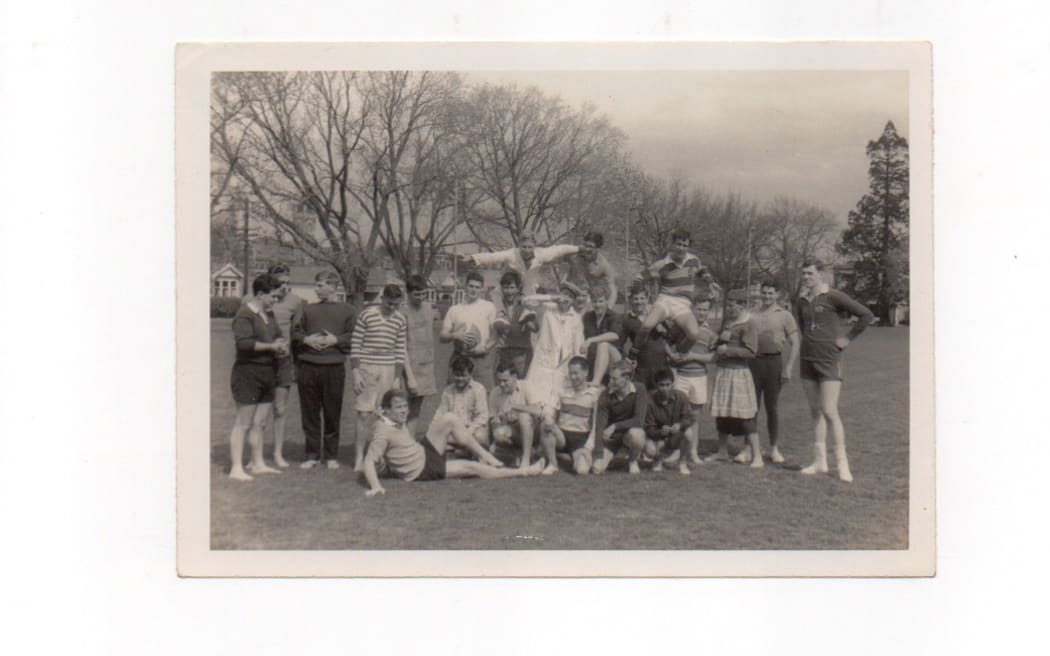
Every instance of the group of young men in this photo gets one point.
(535, 377)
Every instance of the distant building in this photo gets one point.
(228, 282)
(301, 282)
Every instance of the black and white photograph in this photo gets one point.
(463, 303)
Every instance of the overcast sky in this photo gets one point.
(762, 134)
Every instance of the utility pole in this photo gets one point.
(247, 250)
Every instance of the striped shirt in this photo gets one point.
(677, 279)
(379, 340)
(703, 345)
(576, 409)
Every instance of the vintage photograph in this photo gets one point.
(484, 306)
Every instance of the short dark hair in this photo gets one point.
(265, 284)
(510, 277)
(770, 283)
(505, 366)
(278, 269)
(327, 276)
(476, 275)
(579, 361)
(596, 238)
(415, 282)
(638, 289)
(681, 234)
(387, 401)
(392, 292)
(462, 365)
(622, 366)
(661, 375)
(816, 264)
(599, 292)
(703, 298)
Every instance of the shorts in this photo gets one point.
(253, 383)
(673, 306)
(616, 441)
(434, 464)
(820, 370)
(694, 388)
(415, 406)
(574, 440)
(285, 372)
(378, 379)
(736, 425)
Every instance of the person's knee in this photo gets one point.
(635, 438)
(581, 462)
(650, 449)
(502, 434)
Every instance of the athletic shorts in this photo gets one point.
(574, 440)
(415, 405)
(378, 379)
(434, 464)
(285, 372)
(820, 370)
(673, 306)
(253, 383)
(736, 425)
(695, 389)
(616, 441)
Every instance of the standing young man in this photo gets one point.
(377, 358)
(691, 373)
(526, 259)
(259, 343)
(825, 335)
(469, 326)
(321, 335)
(420, 381)
(733, 402)
(590, 270)
(515, 324)
(676, 275)
(777, 332)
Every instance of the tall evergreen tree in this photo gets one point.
(876, 242)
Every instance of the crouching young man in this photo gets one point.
(510, 415)
(621, 411)
(667, 421)
(573, 429)
(394, 452)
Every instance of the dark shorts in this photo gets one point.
(574, 440)
(616, 441)
(434, 467)
(820, 370)
(736, 425)
(415, 405)
(285, 372)
(253, 383)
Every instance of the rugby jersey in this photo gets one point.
(251, 325)
(576, 409)
(394, 451)
(820, 322)
(379, 340)
(677, 279)
(703, 345)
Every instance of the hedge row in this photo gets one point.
(224, 307)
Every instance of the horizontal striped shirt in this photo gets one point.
(703, 345)
(677, 279)
(377, 339)
(576, 409)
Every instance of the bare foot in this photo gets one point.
(744, 455)
(491, 460)
(683, 468)
(633, 468)
(816, 468)
(239, 475)
(279, 460)
(756, 462)
(717, 457)
(549, 469)
(844, 474)
(534, 469)
(263, 469)
(775, 456)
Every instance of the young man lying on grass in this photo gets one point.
(395, 453)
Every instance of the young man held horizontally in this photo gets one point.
(691, 374)
(321, 336)
(511, 418)
(377, 357)
(667, 420)
(394, 452)
(589, 269)
(825, 335)
(568, 427)
(258, 340)
(771, 370)
(618, 425)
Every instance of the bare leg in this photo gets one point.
(549, 438)
(470, 469)
(448, 428)
(255, 439)
(526, 429)
(688, 324)
(652, 319)
(634, 440)
(280, 419)
(362, 434)
(605, 355)
(820, 429)
(602, 462)
(829, 402)
(241, 423)
(756, 451)
(692, 436)
(723, 449)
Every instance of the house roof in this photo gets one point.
(227, 270)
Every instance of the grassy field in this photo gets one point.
(721, 506)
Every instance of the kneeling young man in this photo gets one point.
(667, 420)
(569, 426)
(510, 416)
(395, 452)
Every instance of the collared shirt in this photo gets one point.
(576, 408)
(677, 279)
(703, 345)
(625, 410)
(379, 339)
(775, 326)
(820, 323)
(501, 403)
(470, 405)
(530, 273)
(741, 340)
(394, 451)
(673, 409)
(253, 325)
(515, 316)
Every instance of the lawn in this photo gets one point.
(721, 506)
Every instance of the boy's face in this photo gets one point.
(577, 375)
(701, 311)
(599, 303)
(285, 287)
(398, 410)
(268, 299)
(581, 301)
(663, 389)
(733, 309)
(618, 380)
(461, 380)
(565, 301)
(474, 288)
(390, 305)
(527, 248)
(810, 277)
(519, 365)
(769, 297)
(679, 247)
(510, 292)
(588, 250)
(416, 297)
(324, 288)
(507, 381)
(639, 303)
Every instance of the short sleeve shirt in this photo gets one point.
(774, 327)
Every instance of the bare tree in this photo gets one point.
(536, 165)
(796, 232)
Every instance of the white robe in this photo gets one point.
(560, 338)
